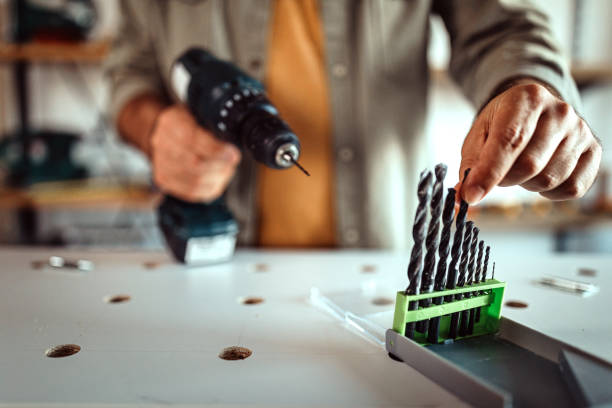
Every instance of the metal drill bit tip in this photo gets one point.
(290, 158)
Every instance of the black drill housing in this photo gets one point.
(233, 106)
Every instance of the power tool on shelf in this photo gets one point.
(234, 107)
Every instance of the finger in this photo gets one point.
(547, 137)
(206, 145)
(510, 131)
(581, 179)
(558, 170)
(561, 165)
(472, 146)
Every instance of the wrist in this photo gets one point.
(523, 80)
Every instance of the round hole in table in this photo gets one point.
(250, 300)
(368, 269)
(63, 350)
(235, 353)
(517, 304)
(117, 298)
(382, 301)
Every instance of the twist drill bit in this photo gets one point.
(477, 279)
(467, 239)
(486, 264)
(415, 267)
(432, 241)
(443, 251)
(451, 282)
(467, 316)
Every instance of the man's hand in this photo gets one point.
(527, 136)
(188, 161)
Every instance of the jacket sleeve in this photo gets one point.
(131, 68)
(493, 41)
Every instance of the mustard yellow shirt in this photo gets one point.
(296, 210)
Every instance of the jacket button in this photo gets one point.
(346, 154)
(339, 70)
(351, 235)
(255, 64)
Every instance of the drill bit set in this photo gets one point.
(446, 302)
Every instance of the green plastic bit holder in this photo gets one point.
(489, 301)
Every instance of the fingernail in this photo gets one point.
(474, 194)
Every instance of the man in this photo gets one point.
(351, 79)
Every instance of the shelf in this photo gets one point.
(55, 52)
(588, 75)
(86, 194)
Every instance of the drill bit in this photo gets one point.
(477, 276)
(432, 241)
(290, 158)
(477, 280)
(415, 267)
(451, 283)
(465, 252)
(468, 315)
(486, 264)
(443, 250)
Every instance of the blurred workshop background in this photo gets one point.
(80, 186)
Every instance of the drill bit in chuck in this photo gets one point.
(287, 156)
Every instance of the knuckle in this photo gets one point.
(563, 109)
(546, 181)
(535, 93)
(512, 137)
(529, 165)
(575, 189)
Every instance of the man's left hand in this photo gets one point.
(529, 137)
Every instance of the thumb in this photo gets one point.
(470, 154)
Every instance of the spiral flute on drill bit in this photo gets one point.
(475, 315)
(415, 267)
(467, 239)
(465, 315)
(432, 241)
(443, 250)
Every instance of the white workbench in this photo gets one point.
(162, 346)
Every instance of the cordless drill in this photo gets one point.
(233, 106)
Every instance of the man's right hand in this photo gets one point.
(188, 161)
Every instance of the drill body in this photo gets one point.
(234, 107)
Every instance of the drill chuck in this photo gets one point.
(234, 107)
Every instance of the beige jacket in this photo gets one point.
(378, 78)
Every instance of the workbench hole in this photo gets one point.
(382, 301)
(235, 353)
(368, 269)
(63, 350)
(38, 264)
(262, 267)
(587, 272)
(117, 298)
(150, 264)
(250, 300)
(517, 304)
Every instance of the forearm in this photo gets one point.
(137, 118)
